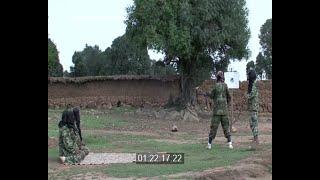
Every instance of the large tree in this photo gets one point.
(79, 69)
(55, 69)
(161, 69)
(264, 58)
(200, 36)
(126, 56)
(87, 62)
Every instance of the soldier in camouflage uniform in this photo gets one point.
(253, 104)
(221, 98)
(71, 149)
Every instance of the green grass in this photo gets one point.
(109, 141)
(55, 116)
(197, 158)
(75, 171)
(250, 133)
(122, 109)
(100, 122)
(53, 152)
(187, 136)
(53, 130)
(54, 112)
(87, 121)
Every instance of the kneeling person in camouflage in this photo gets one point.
(221, 98)
(71, 149)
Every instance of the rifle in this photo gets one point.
(77, 119)
(204, 94)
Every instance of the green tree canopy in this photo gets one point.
(55, 69)
(79, 69)
(200, 36)
(264, 58)
(127, 56)
(162, 69)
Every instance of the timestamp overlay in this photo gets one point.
(159, 158)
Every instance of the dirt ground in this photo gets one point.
(255, 167)
(258, 166)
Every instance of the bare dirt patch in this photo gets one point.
(52, 142)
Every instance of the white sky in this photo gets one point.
(74, 23)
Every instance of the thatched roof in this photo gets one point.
(108, 78)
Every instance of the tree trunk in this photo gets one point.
(188, 95)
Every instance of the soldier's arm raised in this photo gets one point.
(205, 94)
(228, 95)
(210, 95)
(213, 93)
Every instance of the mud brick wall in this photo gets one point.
(101, 93)
(239, 96)
(141, 91)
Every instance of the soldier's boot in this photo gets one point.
(255, 143)
(209, 143)
(256, 140)
(230, 142)
(62, 159)
(209, 146)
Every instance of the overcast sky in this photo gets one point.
(74, 23)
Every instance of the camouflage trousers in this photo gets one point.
(78, 157)
(216, 119)
(254, 122)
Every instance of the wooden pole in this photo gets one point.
(231, 120)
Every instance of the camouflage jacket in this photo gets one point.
(221, 98)
(253, 101)
(69, 141)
